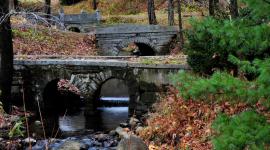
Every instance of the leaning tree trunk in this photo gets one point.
(181, 35)
(151, 12)
(95, 4)
(170, 13)
(234, 8)
(6, 56)
(211, 7)
(47, 8)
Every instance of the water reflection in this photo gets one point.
(111, 116)
(105, 118)
(72, 123)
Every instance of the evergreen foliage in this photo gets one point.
(211, 41)
(222, 86)
(259, 9)
(241, 45)
(248, 130)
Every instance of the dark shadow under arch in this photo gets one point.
(57, 102)
(145, 50)
(137, 48)
(74, 29)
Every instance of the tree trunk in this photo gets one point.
(151, 12)
(6, 57)
(47, 8)
(16, 3)
(170, 13)
(181, 35)
(95, 4)
(11, 5)
(211, 7)
(234, 8)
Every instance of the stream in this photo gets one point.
(95, 132)
(67, 126)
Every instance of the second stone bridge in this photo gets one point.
(151, 40)
(144, 82)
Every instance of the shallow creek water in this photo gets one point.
(91, 131)
(106, 119)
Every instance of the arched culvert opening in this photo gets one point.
(145, 50)
(112, 103)
(74, 29)
(113, 92)
(63, 107)
(139, 49)
(60, 96)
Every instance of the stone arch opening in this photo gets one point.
(90, 87)
(74, 29)
(145, 50)
(139, 49)
(111, 103)
(112, 92)
(60, 101)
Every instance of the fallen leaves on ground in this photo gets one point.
(41, 40)
(177, 123)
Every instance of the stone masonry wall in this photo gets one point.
(144, 81)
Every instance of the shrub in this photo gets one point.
(211, 41)
(222, 86)
(248, 130)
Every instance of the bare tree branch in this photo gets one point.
(33, 18)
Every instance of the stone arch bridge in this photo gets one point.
(150, 39)
(144, 81)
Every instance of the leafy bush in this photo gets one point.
(259, 9)
(223, 86)
(211, 41)
(219, 87)
(248, 130)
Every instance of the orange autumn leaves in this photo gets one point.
(177, 123)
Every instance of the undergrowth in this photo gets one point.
(248, 130)
(222, 86)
